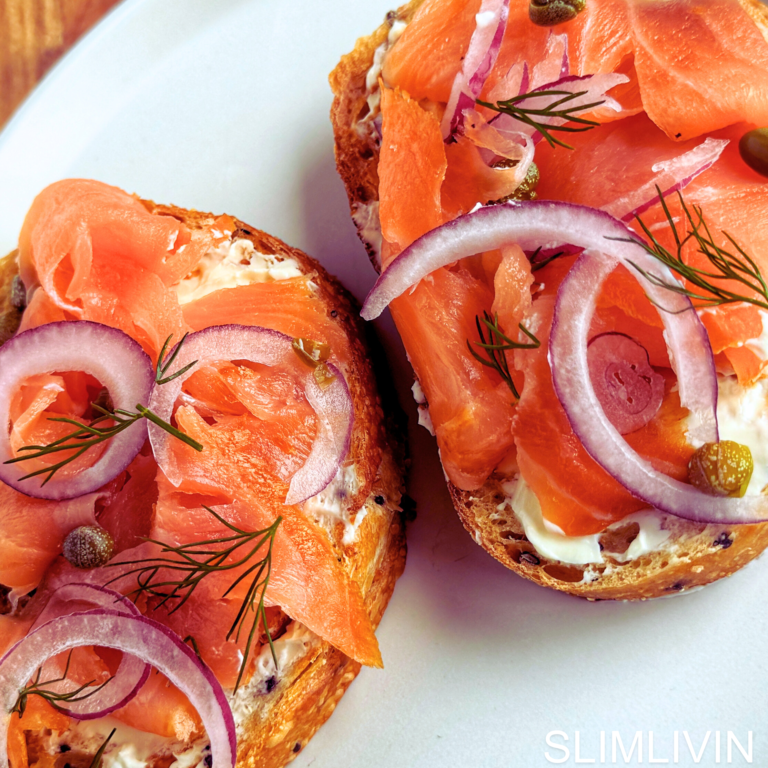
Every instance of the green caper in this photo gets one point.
(527, 188)
(88, 546)
(753, 148)
(721, 469)
(548, 13)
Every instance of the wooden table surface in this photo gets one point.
(33, 36)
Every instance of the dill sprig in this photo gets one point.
(37, 688)
(734, 265)
(174, 579)
(86, 436)
(557, 109)
(537, 265)
(164, 364)
(497, 345)
(96, 762)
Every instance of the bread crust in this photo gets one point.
(699, 554)
(283, 719)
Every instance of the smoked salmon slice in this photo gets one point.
(80, 236)
(252, 491)
(423, 61)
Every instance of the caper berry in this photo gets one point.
(88, 546)
(753, 148)
(548, 13)
(527, 188)
(721, 469)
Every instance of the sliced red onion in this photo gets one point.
(108, 354)
(574, 309)
(515, 82)
(670, 176)
(132, 672)
(139, 636)
(629, 390)
(521, 79)
(333, 406)
(548, 225)
(495, 143)
(484, 46)
(553, 65)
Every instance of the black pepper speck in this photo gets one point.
(724, 540)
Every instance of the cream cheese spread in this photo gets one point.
(330, 506)
(372, 76)
(289, 648)
(129, 747)
(759, 345)
(425, 420)
(234, 263)
(551, 542)
(742, 416)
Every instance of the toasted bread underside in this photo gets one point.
(694, 555)
(281, 720)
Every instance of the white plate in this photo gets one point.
(224, 106)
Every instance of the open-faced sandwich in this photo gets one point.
(199, 508)
(566, 200)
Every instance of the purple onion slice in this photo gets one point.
(139, 636)
(568, 357)
(669, 176)
(629, 390)
(484, 46)
(549, 225)
(108, 354)
(132, 672)
(333, 405)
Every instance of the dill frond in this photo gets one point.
(557, 109)
(496, 346)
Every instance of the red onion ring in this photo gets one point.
(132, 672)
(547, 225)
(670, 176)
(110, 355)
(553, 65)
(135, 635)
(570, 373)
(484, 46)
(333, 406)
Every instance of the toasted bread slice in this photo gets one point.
(692, 556)
(278, 712)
